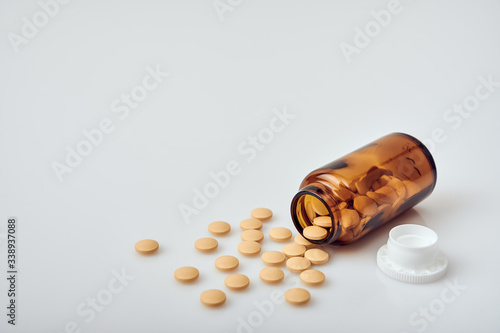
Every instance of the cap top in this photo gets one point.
(412, 255)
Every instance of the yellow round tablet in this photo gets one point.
(249, 248)
(312, 277)
(314, 232)
(219, 228)
(226, 263)
(251, 224)
(186, 274)
(366, 206)
(206, 244)
(236, 281)
(146, 246)
(252, 235)
(213, 297)
(323, 221)
(271, 275)
(317, 256)
(280, 234)
(294, 250)
(273, 258)
(298, 264)
(262, 214)
(297, 296)
(311, 214)
(299, 239)
(318, 206)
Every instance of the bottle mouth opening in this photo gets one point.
(309, 209)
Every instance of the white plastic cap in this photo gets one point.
(412, 255)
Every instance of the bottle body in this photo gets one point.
(355, 194)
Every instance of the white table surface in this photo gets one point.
(225, 79)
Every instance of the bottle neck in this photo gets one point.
(312, 202)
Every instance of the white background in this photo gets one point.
(226, 78)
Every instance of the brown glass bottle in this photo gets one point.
(355, 194)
